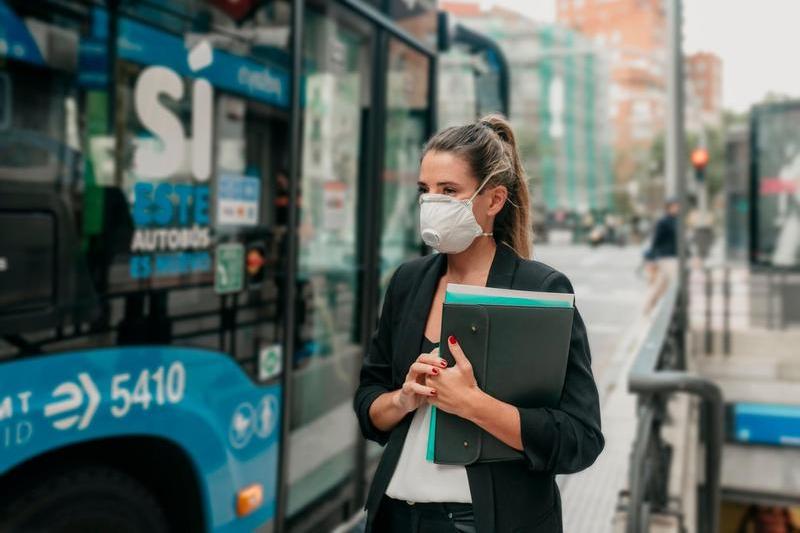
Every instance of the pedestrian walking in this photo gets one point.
(661, 263)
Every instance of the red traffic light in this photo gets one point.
(255, 261)
(699, 157)
(238, 10)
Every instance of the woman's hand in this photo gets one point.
(414, 390)
(457, 390)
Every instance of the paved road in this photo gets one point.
(608, 292)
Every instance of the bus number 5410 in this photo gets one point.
(159, 386)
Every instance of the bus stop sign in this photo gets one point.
(229, 268)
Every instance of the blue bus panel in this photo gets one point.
(197, 399)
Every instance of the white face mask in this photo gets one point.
(448, 224)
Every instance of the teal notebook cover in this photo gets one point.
(476, 299)
(454, 297)
(431, 434)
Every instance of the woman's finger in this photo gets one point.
(457, 352)
(423, 368)
(432, 359)
(418, 388)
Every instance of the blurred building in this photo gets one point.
(558, 104)
(635, 34)
(703, 71)
(635, 31)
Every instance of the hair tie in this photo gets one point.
(500, 135)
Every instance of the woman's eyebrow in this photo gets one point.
(439, 183)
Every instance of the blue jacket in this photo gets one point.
(665, 243)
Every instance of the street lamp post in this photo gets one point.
(675, 146)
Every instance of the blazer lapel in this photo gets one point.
(504, 266)
(413, 327)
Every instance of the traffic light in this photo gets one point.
(699, 162)
(254, 264)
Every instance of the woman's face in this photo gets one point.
(446, 173)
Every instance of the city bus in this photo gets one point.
(165, 364)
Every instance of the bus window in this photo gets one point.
(33, 124)
(326, 362)
(406, 128)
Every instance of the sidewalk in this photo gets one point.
(590, 497)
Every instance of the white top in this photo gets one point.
(416, 479)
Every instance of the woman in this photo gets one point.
(474, 210)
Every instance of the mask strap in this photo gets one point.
(469, 202)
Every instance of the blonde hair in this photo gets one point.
(490, 149)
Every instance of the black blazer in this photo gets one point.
(514, 496)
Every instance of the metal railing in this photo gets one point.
(769, 302)
(658, 373)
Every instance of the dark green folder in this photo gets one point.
(518, 348)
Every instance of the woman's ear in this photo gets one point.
(497, 199)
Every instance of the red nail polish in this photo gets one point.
(451, 339)
(435, 371)
(443, 363)
(433, 393)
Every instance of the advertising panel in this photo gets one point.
(775, 187)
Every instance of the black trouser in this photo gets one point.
(396, 516)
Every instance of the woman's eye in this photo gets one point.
(421, 190)
(449, 190)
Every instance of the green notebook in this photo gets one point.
(488, 320)
(473, 295)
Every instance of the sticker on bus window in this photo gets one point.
(270, 361)
(229, 268)
(237, 200)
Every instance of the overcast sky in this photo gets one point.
(758, 41)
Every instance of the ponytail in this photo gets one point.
(513, 223)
